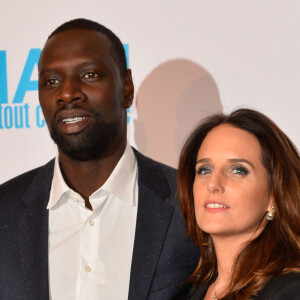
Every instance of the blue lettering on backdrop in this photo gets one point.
(17, 115)
(40, 121)
(26, 106)
(18, 119)
(14, 116)
(8, 117)
(1, 124)
(126, 48)
(3, 78)
(25, 83)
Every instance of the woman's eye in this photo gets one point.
(90, 75)
(239, 170)
(203, 170)
(50, 82)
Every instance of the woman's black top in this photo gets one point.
(284, 287)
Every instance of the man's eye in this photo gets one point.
(239, 170)
(90, 75)
(52, 82)
(203, 170)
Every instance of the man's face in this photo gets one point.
(83, 95)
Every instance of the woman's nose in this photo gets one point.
(215, 183)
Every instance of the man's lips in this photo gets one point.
(71, 115)
(72, 121)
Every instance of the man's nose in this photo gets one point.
(70, 91)
(216, 183)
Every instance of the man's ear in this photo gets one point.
(128, 89)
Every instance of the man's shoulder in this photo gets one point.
(160, 178)
(145, 161)
(20, 183)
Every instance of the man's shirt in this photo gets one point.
(90, 252)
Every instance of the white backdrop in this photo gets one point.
(188, 59)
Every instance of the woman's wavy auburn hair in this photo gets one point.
(277, 249)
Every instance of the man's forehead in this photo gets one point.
(77, 41)
(78, 36)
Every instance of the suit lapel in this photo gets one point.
(35, 227)
(153, 219)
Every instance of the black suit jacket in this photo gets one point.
(162, 258)
(284, 287)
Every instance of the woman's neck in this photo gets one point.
(226, 252)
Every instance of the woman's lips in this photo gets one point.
(215, 207)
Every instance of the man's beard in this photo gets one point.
(91, 143)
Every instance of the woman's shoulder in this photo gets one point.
(281, 287)
(197, 292)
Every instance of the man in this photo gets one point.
(101, 220)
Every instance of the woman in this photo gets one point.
(239, 189)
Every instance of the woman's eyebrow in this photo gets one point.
(237, 160)
(203, 160)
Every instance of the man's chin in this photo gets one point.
(80, 148)
(88, 144)
(81, 156)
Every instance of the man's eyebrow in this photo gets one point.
(88, 63)
(84, 64)
(41, 72)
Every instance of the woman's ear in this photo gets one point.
(271, 206)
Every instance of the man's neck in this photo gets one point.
(85, 177)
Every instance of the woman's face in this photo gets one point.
(231, 187)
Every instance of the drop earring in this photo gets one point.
(271, 214)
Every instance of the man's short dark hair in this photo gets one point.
(118, 51)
